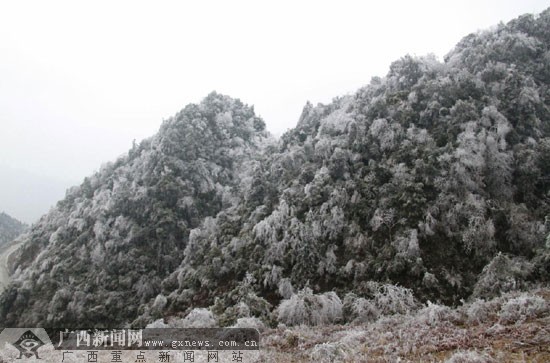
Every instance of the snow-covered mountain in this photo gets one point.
(435, 177)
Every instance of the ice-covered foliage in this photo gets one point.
(384, 299)
(469, 356)
(359, 310)
(502, 274)
(159, 303)
(433, 314)
(521, 308)
(330, 352)
(481, 311)
(243, 303)
(251, 322)
(159, 323)
(199, 318)
(306, 308)
(392, 299)
(285, 288)
(433, 334)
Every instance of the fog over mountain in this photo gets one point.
(431, 183)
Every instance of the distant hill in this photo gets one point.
(434, 178)
(28, 196)
(10, 228)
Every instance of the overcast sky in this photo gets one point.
(80, 80)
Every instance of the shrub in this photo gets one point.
(469, 356)
(199, 318)
(158, 305)
(157, 324)
(522, 308)
(285, 288)
(392, 299)
(253, 323)
(502, 274)
(250, 306)
(359, 310)
(329, 352)
(306, 308)
(435, 313)
(481, 311)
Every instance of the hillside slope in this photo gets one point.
(104, 249)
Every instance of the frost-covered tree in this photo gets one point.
(306, 308)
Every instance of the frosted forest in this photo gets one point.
(408, 221)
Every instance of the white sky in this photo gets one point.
(79, 80)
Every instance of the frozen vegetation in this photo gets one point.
(409, 221)
(514, 327)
